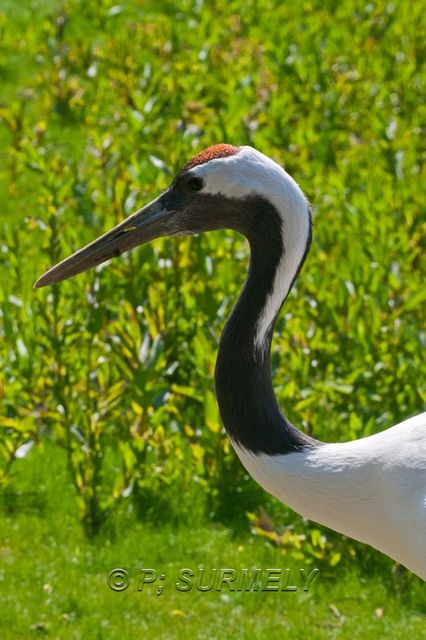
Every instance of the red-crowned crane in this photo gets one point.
(372, 489)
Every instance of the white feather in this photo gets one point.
(250, 172)
(372, 489)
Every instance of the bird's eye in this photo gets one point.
(194, 184)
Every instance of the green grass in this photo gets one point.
(53, 583)
(111, 373)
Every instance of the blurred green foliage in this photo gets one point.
(101, 103)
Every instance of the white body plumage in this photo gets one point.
(372, 489)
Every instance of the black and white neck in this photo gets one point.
(275, 217)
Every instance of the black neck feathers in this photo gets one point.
(244, 389)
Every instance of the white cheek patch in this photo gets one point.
(250, 172)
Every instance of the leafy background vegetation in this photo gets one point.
(112, 452)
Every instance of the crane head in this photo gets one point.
(221, 187)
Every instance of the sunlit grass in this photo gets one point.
(54, 583)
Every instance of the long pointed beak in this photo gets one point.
(144, 225)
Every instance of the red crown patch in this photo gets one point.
(211, 153)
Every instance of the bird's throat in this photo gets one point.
(247, 403)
